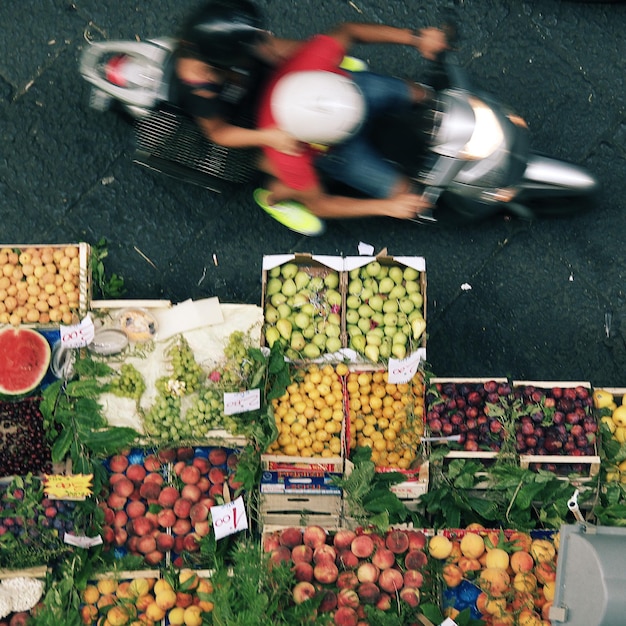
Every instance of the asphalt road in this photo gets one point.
(540, 292)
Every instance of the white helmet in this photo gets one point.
(318, 106)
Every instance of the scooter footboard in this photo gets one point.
(545, 176)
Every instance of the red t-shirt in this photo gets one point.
(322, 52)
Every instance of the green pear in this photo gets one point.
(376, 302)
(297, 342)
(397, 292)
(378, 331)
(309, 332)
(372, 268)
(373, 339)
(274, 272)
(390, 319)
(364, 324)
(299, 300)
(271, 314)
(316, 284)
(377, 318)
(390, 331)
(385, 348)
(410, 273)
(273, 286)
(353, 302)
(333, 330)
(385, 285)
(311, 351)
(357, 342)
(372, 353)
(289, 287)
(406, 305)
(417, 299)
(309, 309)
(398, 350)
(354, 273)
(354, 330)
(418, 326)
(272, 335)
(284, 310)
(278, 298)
(289, 270)
(332, 280)
(390, 306)
(355, 286)
(302, 320)
(334, 318)
(302, 280)
(395, 273)
(352, 316)
(416, 314)
(319, 340)
(400, 338)
(284, 328)
(333, 344)
(370, 283)
(365, 310)
(412, 286)
(366, 294)
(382, 272)
(333, 297)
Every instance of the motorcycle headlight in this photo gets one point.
(487, 134)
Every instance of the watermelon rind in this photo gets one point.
(24, 360)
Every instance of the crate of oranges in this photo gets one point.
(310, 419)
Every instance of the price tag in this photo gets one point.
(403, 370)
(74, 487)
(242, 401)
(229, 518)
(82, 541)
(78, 335)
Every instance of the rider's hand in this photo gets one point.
(431, 42)
(282, 141)
(405, 206)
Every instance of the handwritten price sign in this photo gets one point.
(242, 401)
(229, 518)
(402, 370)
(78, 335)
(74, 487)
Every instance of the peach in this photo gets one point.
(410, 595)
(116, 502)
(524, 581)
(522, 600)
(542, 550)
(325, 572)
(521, 561)
(472, 545)
(88, 613)
(146, 544)
(216, 490)
(397, 541)
(545, 572)
(545, 610)
(548, 590)
(281, 554)
(135, 509)
(270, 542)
(520, 540)
(348, 597)
(164, 542)
(367, 573)
(384, 602)
(324, 554)
(142, 526)
(166, 455)
(166, 518)
(178, 544)
(303, 591)
(383, 558)
(368, 593)
(232, 461)
(182, 507)
(208, 502)
(347, 580)
(452, 575)
(184, 453)
(123, 487)
(202, 463)
(154, 477)
(178, 467)
(168, 496)
(415, 559)
(290, 537)
(362, 546)
(202, 529)
(314, 536)
(136, 473)
(329, 601)
(121, 536)
(217, 476)
(118, 463)
(183, 599)
(131, 544)
(346, 616)
(109, 513)
(303, 571)
(198, 513)
(469, 565)
(494, 581)
(182, 526)
(529, 618)
(413, 578)
(190, 475)
(191, 543)
(440, 547)
(343, 539)
(152, 463)
(302, 553)
(150, 491)
(497, 558)
(217, 456)
(190, 580)
(154, 558)
(204, 484)
(490, 606)
(391, 580)
(108, 535)
(120, 519)
(417, 539)
(191, 493)
(347, 559)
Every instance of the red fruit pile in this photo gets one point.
(150, 511)
(556, 421)
(462, 408)
(352, 569)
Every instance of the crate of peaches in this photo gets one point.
(44, 284)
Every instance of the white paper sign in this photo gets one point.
(242, 401)
(78, 335)
(403, 370)
(82, 541)
(229, 518)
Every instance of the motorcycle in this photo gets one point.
(478, 159)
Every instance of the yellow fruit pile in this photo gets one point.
(39, 285)
(309, 416)
(146, 601)
(616, 422)
(386, 417)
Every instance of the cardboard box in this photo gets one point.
(52, 268)
(300, 482)
(353, 267)
(312, 305)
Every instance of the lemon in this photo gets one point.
(619, 416)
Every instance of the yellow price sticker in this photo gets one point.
(72, 487)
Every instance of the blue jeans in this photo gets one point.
(356, 162)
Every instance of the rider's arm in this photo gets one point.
(275, 50)
(429, 41)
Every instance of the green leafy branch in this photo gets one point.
(106, 286)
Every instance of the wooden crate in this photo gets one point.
(300, 510)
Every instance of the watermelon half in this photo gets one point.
(24, 360)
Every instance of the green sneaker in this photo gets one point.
(291, 214)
